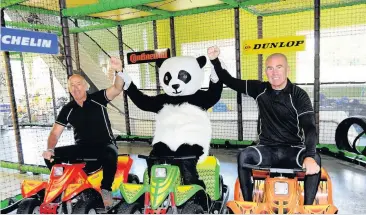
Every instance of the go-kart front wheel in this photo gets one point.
(133, 179)
(229, 211)
(85, 207)
(192, 208)
(88, 203)
(125, 208)
(29, 206)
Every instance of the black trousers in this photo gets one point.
(187, 168)
(277, 156)
(107, 156)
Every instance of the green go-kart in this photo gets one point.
(165, 192)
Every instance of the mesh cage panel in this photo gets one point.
(342, 67)
(40, 90)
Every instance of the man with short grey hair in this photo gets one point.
(93, 135)
(287, 132)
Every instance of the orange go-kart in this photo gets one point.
(72, 189)
(281, 191)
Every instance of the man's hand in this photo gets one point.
(311, 166)
(116, 64)
(47, 155)
(213, 52)
(113, 91)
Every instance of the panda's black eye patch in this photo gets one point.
(167, 78)
(184, 76)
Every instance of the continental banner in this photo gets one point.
(147, 56)
(272, 45)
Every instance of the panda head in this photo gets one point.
(181, 76)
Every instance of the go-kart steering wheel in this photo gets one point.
(164, 158)
(274, 170)
(59, 160)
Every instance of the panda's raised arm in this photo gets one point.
(141, 100)
(212, 95)
(248, 87)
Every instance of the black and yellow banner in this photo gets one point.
(272, 45)
(148, 56)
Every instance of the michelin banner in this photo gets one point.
(28, 41)
(272, 45)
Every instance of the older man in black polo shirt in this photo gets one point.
(93, 135)
(287, 133)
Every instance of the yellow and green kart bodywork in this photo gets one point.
(160, 187)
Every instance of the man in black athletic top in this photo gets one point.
(87, 114)
(287, 132)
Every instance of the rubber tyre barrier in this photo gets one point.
(341, 135)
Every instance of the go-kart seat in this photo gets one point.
(262, 174)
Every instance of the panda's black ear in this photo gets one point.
(201, 61)
(159, 62)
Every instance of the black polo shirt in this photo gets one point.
(284, 115)
(91, 122)
(279, 112)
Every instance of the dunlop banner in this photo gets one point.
(272, 45)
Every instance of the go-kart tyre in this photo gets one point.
(218, 205)
(133, 179)
(29, 206)
(229, 211)
(125, 208)
(11, 201)
(87, 206)
(221, 184)
(192, 208)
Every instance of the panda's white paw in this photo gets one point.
(126, 78)
(214, 78)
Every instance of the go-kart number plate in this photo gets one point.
(281, 188)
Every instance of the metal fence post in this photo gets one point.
(156, 68)
(125, 99)
(317, 65)
(13, 105)
(238, 72)
(172, 37)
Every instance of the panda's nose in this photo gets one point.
(175, 86)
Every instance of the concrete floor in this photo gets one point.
(349, 187)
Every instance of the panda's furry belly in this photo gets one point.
(183, 124)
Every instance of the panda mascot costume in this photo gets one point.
(182, 126)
